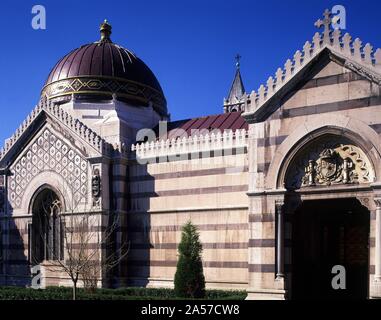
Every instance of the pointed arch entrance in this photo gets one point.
(46, 236)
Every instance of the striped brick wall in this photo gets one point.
(211, 193)
(16, 251)
(334, 91)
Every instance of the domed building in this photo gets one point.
(108, 88)
(73, 155)
(284, 186)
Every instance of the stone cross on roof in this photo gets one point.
(326, 22)
(356, 57)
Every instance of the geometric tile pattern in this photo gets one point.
(48, 153)
(93, 84)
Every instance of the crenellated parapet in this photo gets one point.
(75, 125)
(198, 143)
(357, 57)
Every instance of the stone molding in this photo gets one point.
(185, 145)
(355, 130)
(356, 57)
(57, 113)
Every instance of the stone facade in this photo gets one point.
(319, 105)
(312, 136)
(209, 190)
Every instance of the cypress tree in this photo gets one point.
(189, 277)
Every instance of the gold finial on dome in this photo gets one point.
(105, 30)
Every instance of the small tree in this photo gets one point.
(83, 255)
(189, 277)
(83, 250)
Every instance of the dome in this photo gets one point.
(102, 70)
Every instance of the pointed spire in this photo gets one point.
(234, 102)
(237, 89)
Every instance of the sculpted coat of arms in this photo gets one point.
(328, 161)
(330, 168)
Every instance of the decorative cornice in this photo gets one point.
(361, 70)
(333, 189)
(207, 142)
(376, 185)
(358, 58)
(76, 126)
(98, 85)
(272, 192)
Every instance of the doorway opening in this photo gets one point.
(328, 233)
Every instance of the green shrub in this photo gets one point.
(132, 293)
(189, 277)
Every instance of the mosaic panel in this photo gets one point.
(49, 153)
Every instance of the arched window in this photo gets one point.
(46, 239)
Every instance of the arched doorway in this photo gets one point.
(46, 234)
(326, 233)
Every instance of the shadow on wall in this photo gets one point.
(15, 267)
(134, 270)
(141, 189)
(292, 202)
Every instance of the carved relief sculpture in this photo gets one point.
(96, 186)
(331, 168)
(309, 178)
(329, 163)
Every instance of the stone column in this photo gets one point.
(377, 276)
(279, 209)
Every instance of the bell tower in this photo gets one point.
(235, 100)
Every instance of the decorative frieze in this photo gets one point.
(49, 153)
(197, 143)
(331, 168)
(62, 117)
(327, 163)
(111, 86)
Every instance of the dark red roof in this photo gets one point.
(104, 59)
(227, 121)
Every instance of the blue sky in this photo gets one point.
(189, 45)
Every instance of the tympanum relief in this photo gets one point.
(328, 162)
